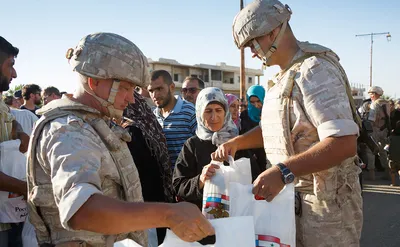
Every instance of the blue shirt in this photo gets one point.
(178, 126)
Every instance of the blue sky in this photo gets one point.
(192, 32)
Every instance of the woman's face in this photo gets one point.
(214, 117)
(234, 109)
(256, 102)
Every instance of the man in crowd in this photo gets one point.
(18, 97)
(176, 116)
(191, 87)
(31, 94)
(49, 94)
(10, 234)
(11, 101)
(95, 198)
(307, 128)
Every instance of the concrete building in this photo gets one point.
(358, 91)
(220, 75)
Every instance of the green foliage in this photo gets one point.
(15, 88)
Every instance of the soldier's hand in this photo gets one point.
(268, 184)
(207, 172)
(224, 150)
(187, 222)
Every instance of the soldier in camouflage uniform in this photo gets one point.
(379, 115)
(84, 188)
(307, 128)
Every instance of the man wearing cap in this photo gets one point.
(18, 96)
(379, 115)
(307, 128)
(84, 188)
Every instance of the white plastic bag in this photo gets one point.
(29, 235)
(126, 243)
(152, 239)
(13, 207)
(12, 161)
(216, 192)
(274, 222)
(12, 210)
(229, 232)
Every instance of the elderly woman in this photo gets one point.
(214, 127)
(233, 103)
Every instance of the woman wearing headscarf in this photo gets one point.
(251, 117)
(233, 103)
(214, 127)
(149, 151)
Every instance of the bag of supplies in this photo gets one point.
(216, 190)
(13, 207)
(229, 232)
(274, 222)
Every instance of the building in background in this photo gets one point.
(358, 91)
(220, 75)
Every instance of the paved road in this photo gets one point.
(381, 214)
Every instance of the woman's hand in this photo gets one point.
(207, 172)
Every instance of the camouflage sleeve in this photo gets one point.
(325, 99)
(70, 149)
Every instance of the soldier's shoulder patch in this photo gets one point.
(312, 62)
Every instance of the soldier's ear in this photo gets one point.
(92, 83)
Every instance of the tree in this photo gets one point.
(11, 91)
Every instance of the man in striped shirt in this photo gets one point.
(176, 116)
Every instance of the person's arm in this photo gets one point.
(11, 184)
(184, 219)
(74, 155)
(327, 107)
(249, 140)
(21, 135)
(326, 154)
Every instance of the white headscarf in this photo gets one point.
(228, 130)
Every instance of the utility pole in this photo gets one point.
(242, 70)
(388, 37)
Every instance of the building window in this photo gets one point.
(239, 79)
(176, 77)
(250, 79)
(216, 75)
(206, 79)
(231, 80)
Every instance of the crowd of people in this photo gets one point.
(124, 154)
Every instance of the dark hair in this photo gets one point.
(50, 90)
(195, 78)
(8, 100)
(164, 74)
(7, 50)
(28, 89)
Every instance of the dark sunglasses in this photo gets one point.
(190, 90)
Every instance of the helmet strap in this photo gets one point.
(109, 103)
(273, 48)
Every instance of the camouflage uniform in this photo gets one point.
(75, 153)
(377, 116)
(306, 103)
(364, 149)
